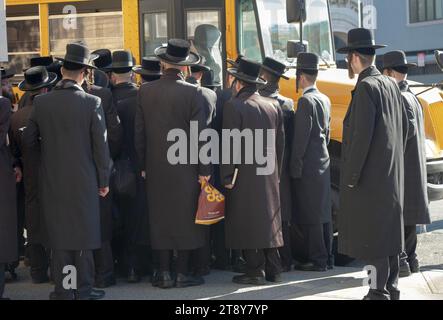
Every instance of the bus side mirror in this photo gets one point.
(439, 58)
(295, 47)
(296, 11)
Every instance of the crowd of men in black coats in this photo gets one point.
(100, 194)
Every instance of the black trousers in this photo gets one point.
(104, 262)
(261, 262)
(317, 240)
(410, 254)
(83, 261)
(39, 260)
(165, 259)
(387, 273)
(221, 253)
(286, 251)
(201, 257)
(2, 279)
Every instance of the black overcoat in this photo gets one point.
(8, 209)
(310, 163)
(416, 208)
(172, 189)
(30, 163)
(372, 169)
(69, 126)
(115, 139)
(287, 107)
(253, 215)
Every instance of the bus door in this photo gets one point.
(200, 21)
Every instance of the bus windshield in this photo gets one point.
(275, 31)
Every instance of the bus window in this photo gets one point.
(23, 34)
(96, 30)
(203, 29)
(248, 30)
(155, 31)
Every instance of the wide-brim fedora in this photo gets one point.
(274, 67)
(207, 80)
(37, 78)
(200, 68)
(150, 67)
(360, 38)
(234, 63)
(248, 71)
(6, 73)
(104, 59)
(307, 61)
(395, 59)
(79, 54)
(177, 52)
(122, 61)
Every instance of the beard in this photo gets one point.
(351, 72)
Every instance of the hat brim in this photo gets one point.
(191, 59)
(24, 86)
(76, 62)
(408, 65)
(144, 72)
(351, 48)
(281, 75)
(244, 77)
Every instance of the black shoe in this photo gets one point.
(239, 266)
(133, 277)
(105, 283)
(414, 266)
(376, 295)
(183, 281)
(309, 266)
(394, 294)
(163, 280)
(405, 270)
(96, 294)
(276, 278)
(245, 279)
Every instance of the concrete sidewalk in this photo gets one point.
(337, 284)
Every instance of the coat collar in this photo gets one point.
(270, 90)
(246, 92)
(174, 74)
(368, 72)
(68, 84)
(310, 89)
(124, 85)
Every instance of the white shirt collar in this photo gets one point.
(309, 88)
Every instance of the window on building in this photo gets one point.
(425, 10)
(155, 31)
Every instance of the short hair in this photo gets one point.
(72, 73)
(310, 75)
(270, 77)
(366, 60)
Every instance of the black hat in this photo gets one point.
(307, 61)
(78, 54)
(247, 71)
(359, 39)
(6, 74)
(104, 59)
(207, 80)
(396, 59)
(275, 67)
(200, 68)
(150, 67)
(177, 52)
(37, 78)
(101, 79)
(41, 61)
(122, 61)
(56, 67)
(234, 63)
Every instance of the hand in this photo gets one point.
(18, 174)
(103, 192)
(351, 186)
(143, 174)
(229, 186)
(202, 179)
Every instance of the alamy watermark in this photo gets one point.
(246, 147)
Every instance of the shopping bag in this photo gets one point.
(211, 205)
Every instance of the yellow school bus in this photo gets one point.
(255, 28)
